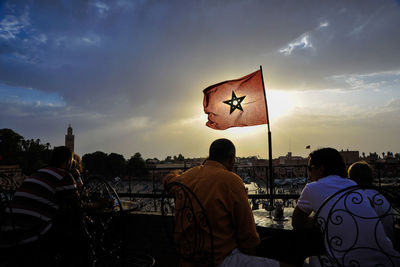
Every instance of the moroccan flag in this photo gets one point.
(236, 103)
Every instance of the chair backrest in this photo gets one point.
(8, 183)
(187, 225)
(358, 225)
(3, 202)
(97, 189)
(8, 234)
(102, 224)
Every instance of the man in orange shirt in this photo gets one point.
(224, 197)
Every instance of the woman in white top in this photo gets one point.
(361, 173)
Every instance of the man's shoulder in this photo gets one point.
(53, 171)
(332, 182)
(223, 174)
(219, 176)
(313, 185)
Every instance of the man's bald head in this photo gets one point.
(223, 151)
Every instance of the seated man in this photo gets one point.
(224, 197)
(327, 171)
(43, 210)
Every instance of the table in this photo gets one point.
(265, 219)
(281, 242)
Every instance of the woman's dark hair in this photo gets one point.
(330, 159)
(221, 149)
(60, 155)
(361, 173)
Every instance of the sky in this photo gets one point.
(128, 75)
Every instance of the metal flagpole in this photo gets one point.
(271, 180)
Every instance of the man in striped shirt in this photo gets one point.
(44, 202)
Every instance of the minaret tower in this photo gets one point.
(69, 138)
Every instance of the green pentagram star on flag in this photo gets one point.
(234, 102)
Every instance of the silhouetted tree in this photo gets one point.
(29, 154)
(96, 163)
(34, 155)
(373, 156)
(116, 164)
(10, 147)
(137, 166)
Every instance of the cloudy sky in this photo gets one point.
(128, 75)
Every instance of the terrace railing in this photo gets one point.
(151, 202)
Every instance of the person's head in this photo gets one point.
(361, 173)
(61, 157)
(324, 162)
(223, 151)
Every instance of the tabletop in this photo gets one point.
(264, 218)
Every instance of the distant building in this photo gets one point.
(290, 166)
(70, 139)
(350, 157)
(152, 162)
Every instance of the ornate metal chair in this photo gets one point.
(4, 204)
(102, 219)
(355, 223)
(9, 184)
(8, 233)
(187, 225)
(104, 226)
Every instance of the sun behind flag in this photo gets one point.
(236, 103)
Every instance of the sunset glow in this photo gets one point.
(129, 75)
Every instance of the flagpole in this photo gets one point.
(271, 181)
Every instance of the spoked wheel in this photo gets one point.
(102, 221)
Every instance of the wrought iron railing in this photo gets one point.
(151, 202)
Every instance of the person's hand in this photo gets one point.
(176, 172)
(171, 175)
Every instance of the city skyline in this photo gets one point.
(128, 76)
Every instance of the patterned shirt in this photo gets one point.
(38, 200)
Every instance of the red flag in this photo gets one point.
(236, 103)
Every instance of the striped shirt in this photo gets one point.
(39, 199)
